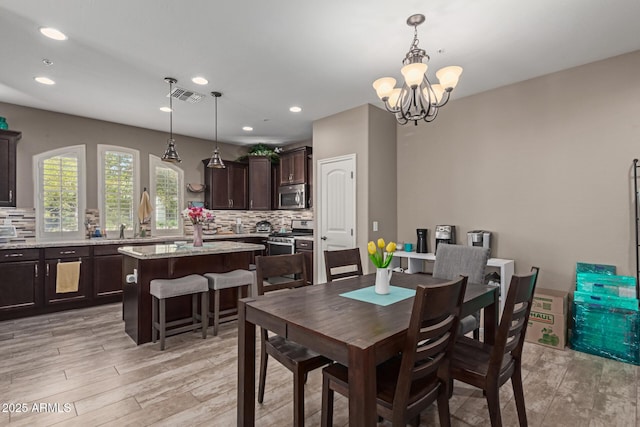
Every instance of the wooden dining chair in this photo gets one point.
(410, 382)
(489, 366)
(342, 258)
(454, 260)
(296, 358)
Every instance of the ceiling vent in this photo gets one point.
(186, 95)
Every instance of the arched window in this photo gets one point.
(60, 199)
(167, 197)
(118, 187)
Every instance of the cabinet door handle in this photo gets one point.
(13, 255)
(251, 204)
(10, 196)
(36, 269)
(47, 272)
(67, 252)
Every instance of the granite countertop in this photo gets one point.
(106, 241)
(174, 251)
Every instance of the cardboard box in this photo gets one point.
(548, 319)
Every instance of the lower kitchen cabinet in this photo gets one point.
(55, 256)
(21, 284)
(107, 273)
(305, 247)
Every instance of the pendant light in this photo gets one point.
(215, 161)
(170, 154)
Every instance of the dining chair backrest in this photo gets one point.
(513, 324)
(454, 260)
(280, 266)
(342, 258)
(431, 336)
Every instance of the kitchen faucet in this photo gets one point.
(122, 227)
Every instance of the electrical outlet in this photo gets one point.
(375, 225)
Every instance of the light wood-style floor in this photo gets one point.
(83, 361)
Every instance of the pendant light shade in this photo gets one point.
(170, 154)
(215, 161)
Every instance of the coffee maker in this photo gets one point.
(421, 245)
(480, 238)
(445, 234)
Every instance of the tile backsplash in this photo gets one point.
(225, 220)
(24, 219)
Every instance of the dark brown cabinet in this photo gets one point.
(305, 247)
(107, 273)
(260, 183)
(226, 188)
(21, 284)
(55, 256)
(294, 166)
(8, 141)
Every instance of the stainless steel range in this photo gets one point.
(285, 243)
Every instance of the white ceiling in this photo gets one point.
(266, 56)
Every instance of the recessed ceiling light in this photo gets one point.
(247, 128)
(44, 80)
(52, 33)
(165, 109)
(295, 109)
(200, 80)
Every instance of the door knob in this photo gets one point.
(324, 237)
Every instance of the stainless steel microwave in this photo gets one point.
(293, 196)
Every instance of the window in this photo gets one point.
(118, 187)
(167, 196)
(60, 193)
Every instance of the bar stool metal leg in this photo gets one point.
(154, 319)
(216, 311)
(205, 311)
(163, 323)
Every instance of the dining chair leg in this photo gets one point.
(298, 398)
(443, 408)
(476, 334)
(416, 421)
(518, 394)
(263, 373)
(326, 417)
(493, 402)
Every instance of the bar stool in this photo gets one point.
(242, 279)
(161, 289)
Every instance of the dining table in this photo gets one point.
(359, 334)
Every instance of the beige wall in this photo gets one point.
(45, 130)
(544, 164)
(369, 133)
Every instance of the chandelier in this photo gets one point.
(418, 99)
(216, 161)
(170, 154)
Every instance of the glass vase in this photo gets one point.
(197, 235)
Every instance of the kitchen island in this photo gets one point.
(141, 264)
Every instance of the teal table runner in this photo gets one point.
(369, 295)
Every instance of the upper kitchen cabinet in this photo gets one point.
(8, 141)
(226, 188)
(294, 166)
(261, 186)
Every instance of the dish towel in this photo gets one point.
(68, 277)
(145, 208)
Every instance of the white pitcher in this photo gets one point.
(383, 280)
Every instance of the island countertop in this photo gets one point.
(175, 251)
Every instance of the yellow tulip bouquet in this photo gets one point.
(377, 255)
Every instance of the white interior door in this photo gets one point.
(336, 207)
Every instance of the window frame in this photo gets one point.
(102, 150)
(155, 161)
(78, 151)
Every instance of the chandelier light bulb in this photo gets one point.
(384, 86)
(413, 74)
(449, 76)
(394, 96)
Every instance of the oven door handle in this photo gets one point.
(279, 243)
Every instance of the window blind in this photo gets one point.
(60, 193)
